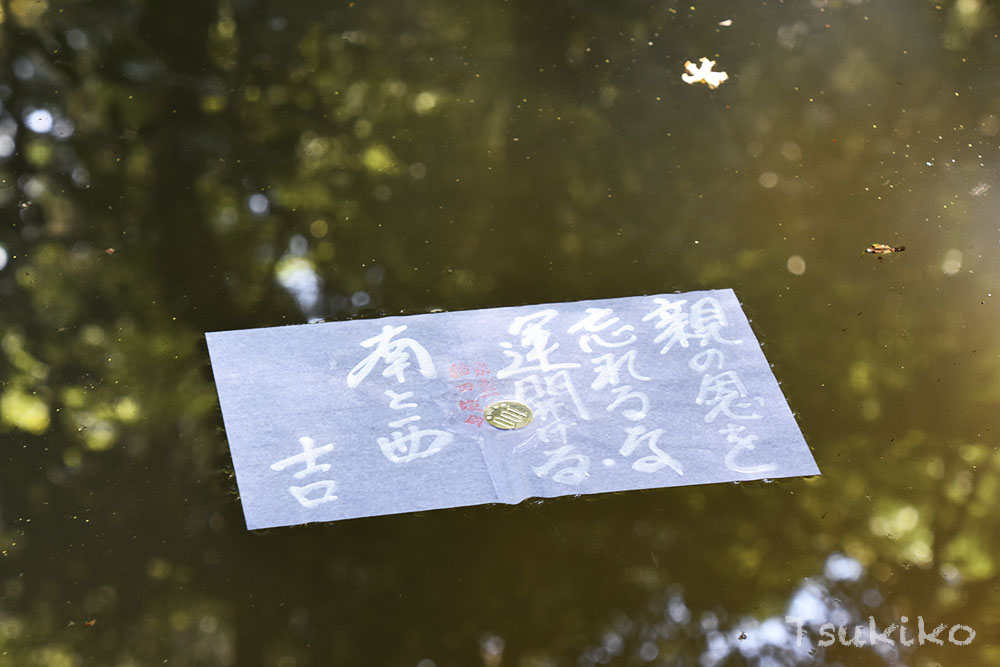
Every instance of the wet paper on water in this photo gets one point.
(360, 418)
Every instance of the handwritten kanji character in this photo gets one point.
(549, 395)
(597, 320)
(395, 400)
(742, 443)
(301, 493)
(475, 420)
(677, 326)
(465, 386)
(672, 321)
(568, 475)
(702, 361)
(309, 456)
(721, 393)
(608, 368)
(395, 354)
(402, 448)
(534, 337)
(636, 435)
(625, 393)
(707, 319)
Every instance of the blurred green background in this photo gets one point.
(171, 168)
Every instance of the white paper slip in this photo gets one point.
(399, 414)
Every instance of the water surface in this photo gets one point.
(170, 170)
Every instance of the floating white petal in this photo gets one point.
(703, 73)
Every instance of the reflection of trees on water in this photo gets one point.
(837, 617)
(165, 172)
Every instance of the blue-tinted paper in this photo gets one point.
(367, 417)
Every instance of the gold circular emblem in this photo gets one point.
(508, 415)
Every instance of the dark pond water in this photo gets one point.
(169, 169)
